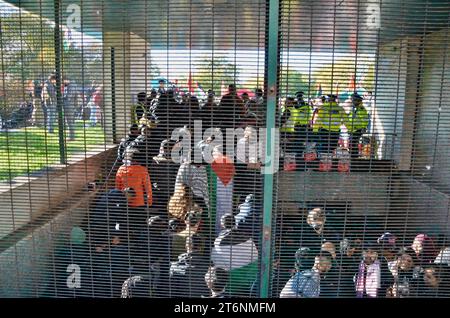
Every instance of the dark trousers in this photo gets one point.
(328, 140)
(354, 141)
(303, 134)
(69, 114)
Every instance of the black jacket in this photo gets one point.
(124, 143)
(188, 275)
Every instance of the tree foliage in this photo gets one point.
(28, 54)
(342, 73)
(292, 81)
(210, 73)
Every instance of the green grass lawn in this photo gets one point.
(30, 149)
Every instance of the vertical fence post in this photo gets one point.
(113, 95)
(59, 100)
(272, 59)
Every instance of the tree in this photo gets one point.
(211, 73)
(343, 73)
(28, 53)
(254, 82)
(27, 47)
(292, 81)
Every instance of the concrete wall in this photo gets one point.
(27, 198)
(428, 209)
(406, 205)
(26, 261)
(26, 267)
(387, 115)
(130, 59)
(119, 41)
(432, 151)
(366, 193)
(416, 206)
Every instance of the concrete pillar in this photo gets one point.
(124, 60)
(116, 83)
(387, 110)
(397, 99)
(412, 102)
(139, 66)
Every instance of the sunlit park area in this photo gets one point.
(26, 151)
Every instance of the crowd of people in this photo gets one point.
(167, 223)
(185, 228)
(317, 259)
(40, 108)
(77, 104)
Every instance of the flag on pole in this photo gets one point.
(319, 90)
(190, 88)
(352, 84)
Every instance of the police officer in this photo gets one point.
(304, 114)
(289, 116)
(328, 120)
(298, 122)
(139, 109)
(358, 122)
(300, 101)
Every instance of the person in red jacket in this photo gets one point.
(131, 175)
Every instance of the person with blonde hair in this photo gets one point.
(180, 202)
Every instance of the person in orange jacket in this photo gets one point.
(133, 176)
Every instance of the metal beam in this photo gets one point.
(272, 58)
(59, 99)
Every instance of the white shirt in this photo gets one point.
(230, 257)
(443, 257)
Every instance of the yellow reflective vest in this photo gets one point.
(330, 116)
(358, 119)
(138, 108)
(298, 117)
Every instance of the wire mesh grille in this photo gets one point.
(368, 57)
(117, 182)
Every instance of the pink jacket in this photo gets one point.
(373, 277)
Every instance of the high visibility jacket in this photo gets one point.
(330, 116)
(137, 112)
(289, 125)
(298, 117)
(358, 119)
(305, 114)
